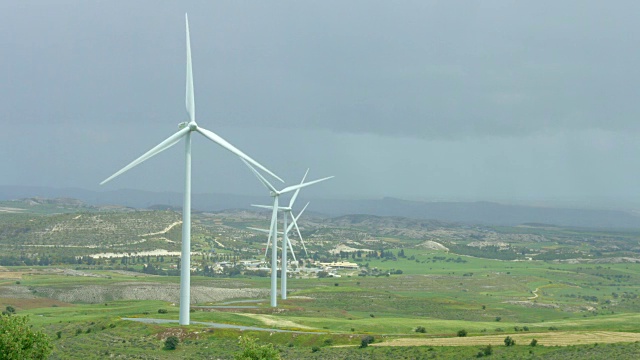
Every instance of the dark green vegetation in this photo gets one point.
(18, 341)
(417, 281)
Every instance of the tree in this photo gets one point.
(9, 310)
(250, 350)
(533, 342)
(19, 341)
(171, 343)
(508, 341)
(462, 333)
(366, 341)
(421, 329)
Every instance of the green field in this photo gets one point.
(582, 306)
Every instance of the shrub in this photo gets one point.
(59, 334)
(19, 341)
(525, 328)
(9, 310)
(171, 343)
(328, 342)
(462, 333)
(498, 318)
(534, 342)
(421, 329)
(366, 341)
(508, 341)
(162, 311)
(487, 350)
(250, 350)
(315, 349)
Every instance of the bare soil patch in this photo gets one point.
(11, 275)
(34, 303)
(277, 322)
(555, 338)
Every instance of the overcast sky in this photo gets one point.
(441, 100)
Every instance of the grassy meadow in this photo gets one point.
(489, 299)
(576, 291)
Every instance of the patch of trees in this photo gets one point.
(486, 252)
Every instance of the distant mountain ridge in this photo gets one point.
(481, 212)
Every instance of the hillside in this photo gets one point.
(486, 213)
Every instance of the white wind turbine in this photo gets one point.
(186, 128)
(288, 211)
(275, 193)
(288, 229)
(293, 223)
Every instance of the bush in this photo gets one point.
(421, 329)
(462, 333)
(19, 341)
(366, 341)
(9, 310)
(171, 343)
(508, 341)
(315, 349)
(250, 350)
(487, 350)
(162, 311)
(534, 342)
(498, 318)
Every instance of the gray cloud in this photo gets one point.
(439, 99)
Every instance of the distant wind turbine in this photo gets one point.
(288, 211)
(275, 193)
(186, 128)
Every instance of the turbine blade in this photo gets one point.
(263, 206)
(264, 181)
(291, 248)
(300, 186)
(266, 231)
(222, 142)
(295, 194)
(189, 94)
(169, 142)
(295, 223)
(280, 208)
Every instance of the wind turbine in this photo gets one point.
(275, 193)
(186, 128)
(293, 218)
(285, 242)
(288, 211)
(289, 228)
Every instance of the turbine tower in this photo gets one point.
(275, 193)
(186, 128)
